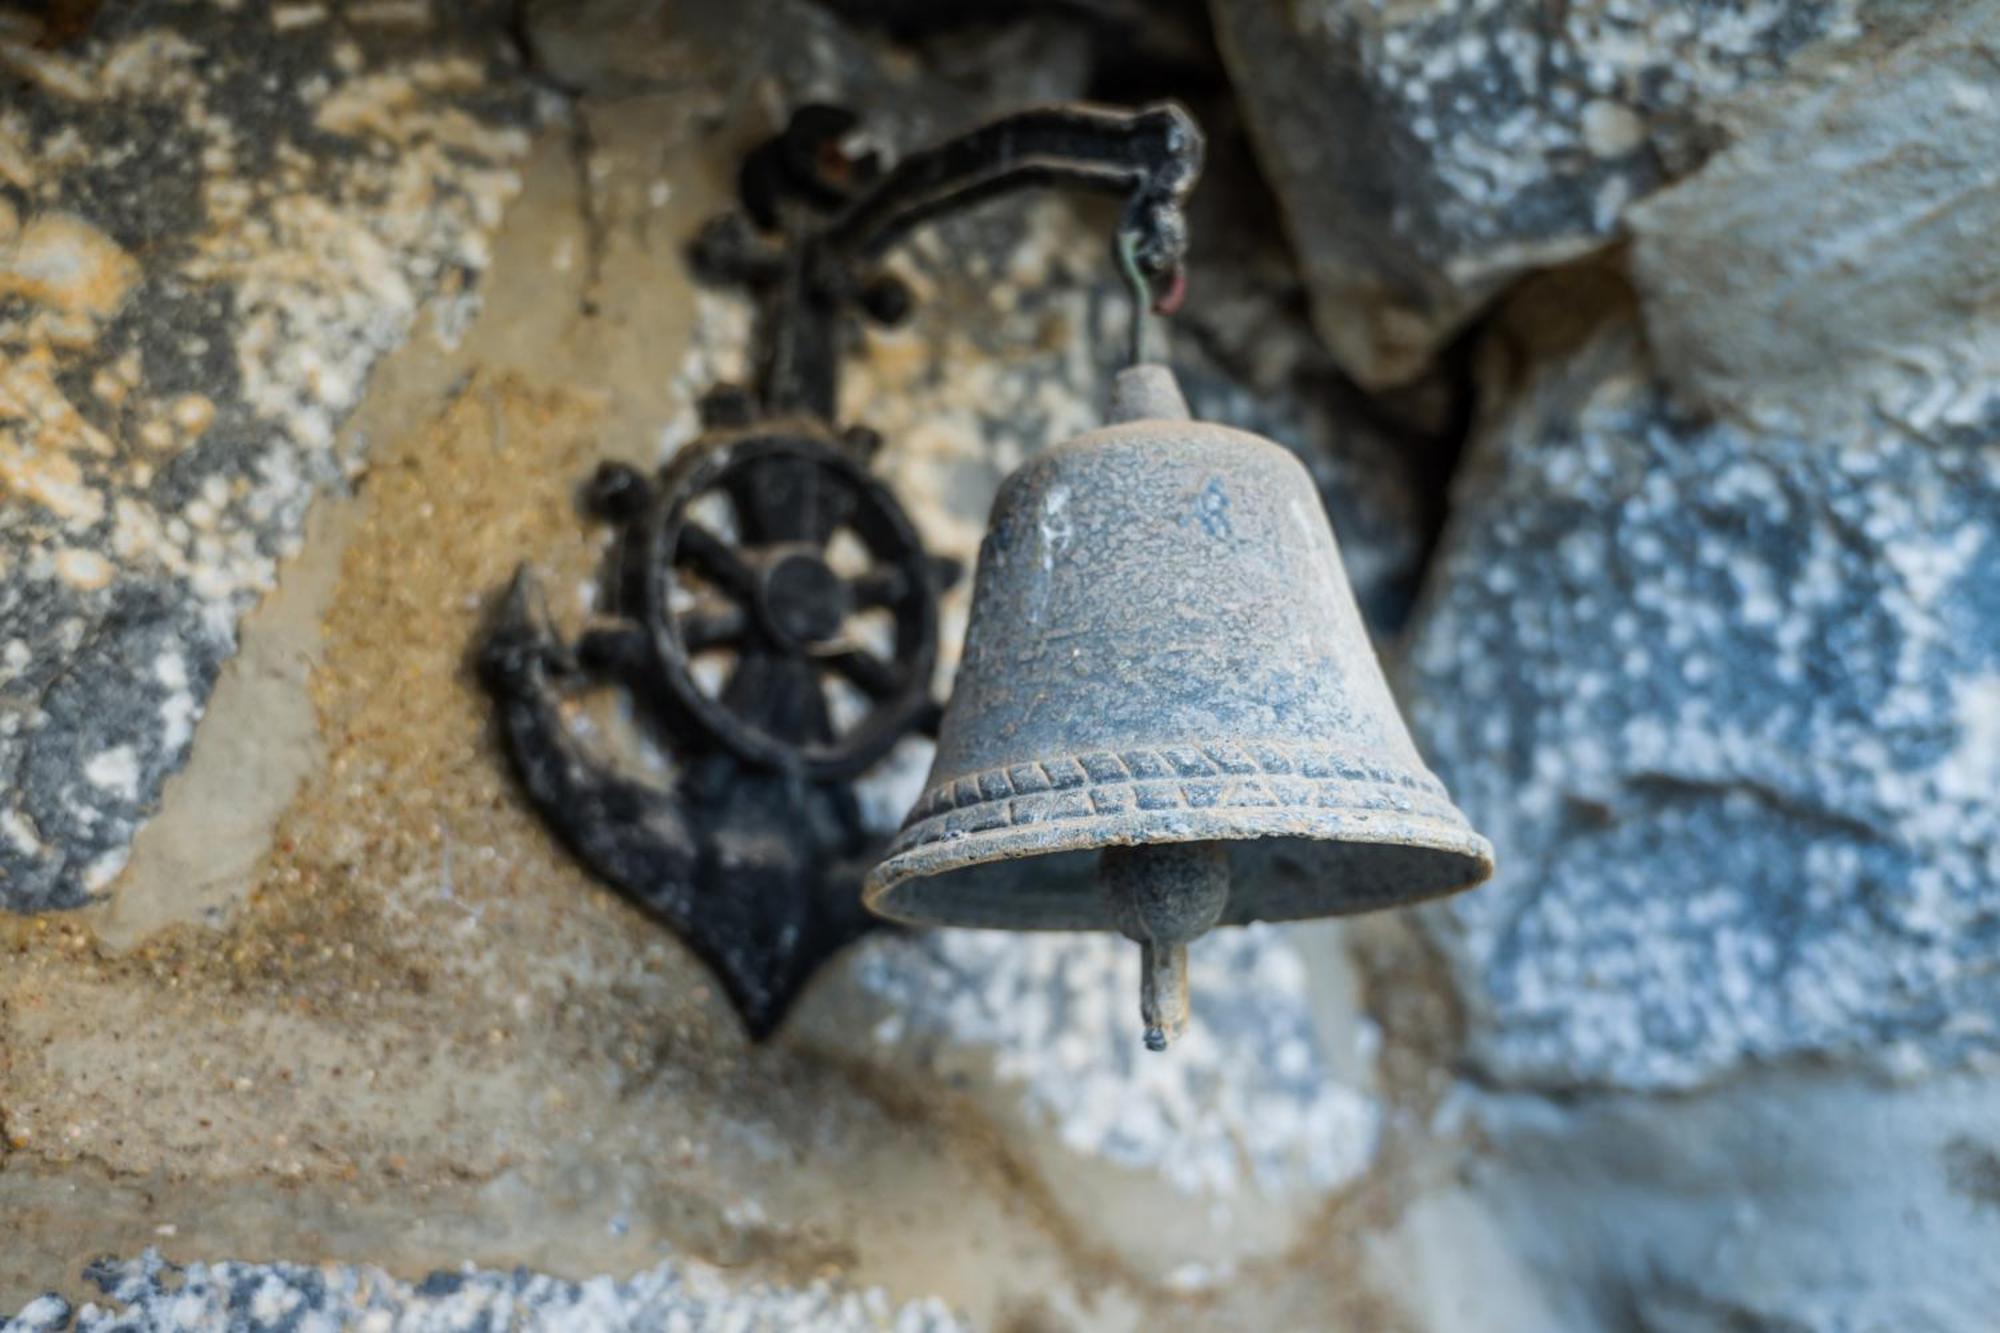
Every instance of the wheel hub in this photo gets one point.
(801, 601)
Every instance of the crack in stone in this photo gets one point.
(1666, 786)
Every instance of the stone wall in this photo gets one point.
(1643, 357)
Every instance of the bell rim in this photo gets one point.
(1387, 829)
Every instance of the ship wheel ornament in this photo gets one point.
(817, 669)
(769, 679)
(772, 615)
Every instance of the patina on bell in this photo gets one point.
(1168, 716)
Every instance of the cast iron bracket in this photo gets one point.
(772, 614)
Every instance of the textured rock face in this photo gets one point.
(1724, 696)
(1189, 1169)
(1710, 650)
(1253, 1103)
(1426, 154)
(1762, 1206)
(1841, 263)
(148, 1293)
(212, 221)
(1726, 702)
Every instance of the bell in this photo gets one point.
(1168, 715)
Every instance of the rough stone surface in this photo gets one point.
(213, 219)
(626, 47)
(149, 1294)
(1786, 1202)
(1728, 704)
(1837, 263)
(1428, 153)
(1227, 1152)
(1251, 1102)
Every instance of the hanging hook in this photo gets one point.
(1151, 156)
(1139, 348)
(1143, 346)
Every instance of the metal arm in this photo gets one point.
(1151, 156)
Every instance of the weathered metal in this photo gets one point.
(765, 597)
(752, 849)
(742, 642)
(810, 278)
(1164, 650)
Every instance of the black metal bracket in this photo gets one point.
(845, 216)
(772, 614)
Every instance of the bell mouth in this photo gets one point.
(1283, 867)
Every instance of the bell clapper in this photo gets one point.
(1164, 896)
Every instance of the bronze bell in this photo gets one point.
(1168, 715)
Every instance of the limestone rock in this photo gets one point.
(148, 1293)
(622, 47)
(216, 218)
(1428, 153)
(712, 58)
(1728, 704)
(1838, 263)
(1764, 1204)
(1189, 1167)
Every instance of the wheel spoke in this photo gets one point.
(835, 507)
(715, 559)
(866, 672)
(777, 695)
(621, 650)
(711, 625)
(883, 586)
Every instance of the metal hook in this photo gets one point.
(1140, 345)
